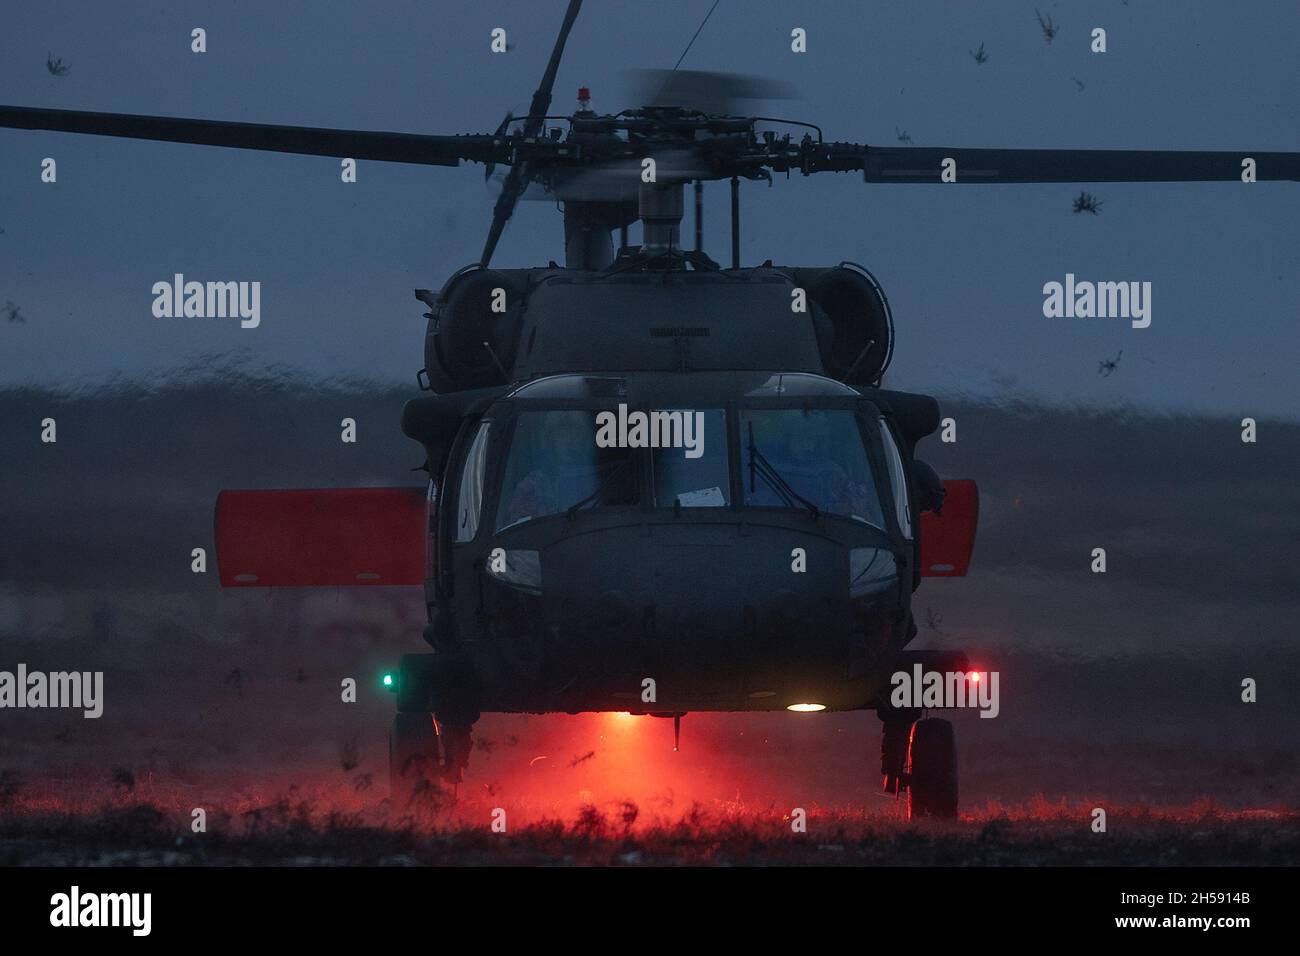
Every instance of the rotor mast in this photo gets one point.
(660, 208)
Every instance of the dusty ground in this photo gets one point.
(287, 773)
(300, 831)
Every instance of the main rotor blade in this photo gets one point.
(516, 182)
(355, 144)
(917, 164)
(518, 178)
(542, 98)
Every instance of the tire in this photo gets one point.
(932, 770)
(413, 760)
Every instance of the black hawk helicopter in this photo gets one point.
(657, 485)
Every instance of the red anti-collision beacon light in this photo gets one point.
(584, 99)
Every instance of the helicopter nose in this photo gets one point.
(698, 608)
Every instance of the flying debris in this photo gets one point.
(56, 66)
(1087, 202)
(1079, 83)
(1106, 367)
(979, 55)
(12, 313)
(903, 135)
(1049, 30)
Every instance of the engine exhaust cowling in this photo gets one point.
(473, 330)
(859, 342)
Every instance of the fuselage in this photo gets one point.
(666, 542)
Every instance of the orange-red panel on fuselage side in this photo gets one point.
(947, 539)
(321, 537)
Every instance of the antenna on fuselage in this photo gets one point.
(505, 376)
(856, 362)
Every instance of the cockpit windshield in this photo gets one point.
(799, 458)
(562, 461)
(554, 464)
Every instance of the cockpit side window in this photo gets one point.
(793, 457)
(471, 486)
(897, 480)
(555, 463)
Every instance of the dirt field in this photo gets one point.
(302, 833)
(286, 773)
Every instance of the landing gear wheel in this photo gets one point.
(932, 770)
(413, 759)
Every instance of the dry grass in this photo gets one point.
(342, 828)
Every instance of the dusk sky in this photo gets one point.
(963, 265)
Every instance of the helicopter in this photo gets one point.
(656, 484)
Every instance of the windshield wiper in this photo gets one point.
(759, 465)
(601, 487)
